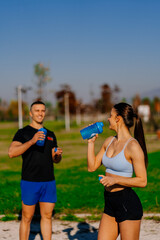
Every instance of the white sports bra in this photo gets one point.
(118, 165)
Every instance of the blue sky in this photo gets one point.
(86, 43)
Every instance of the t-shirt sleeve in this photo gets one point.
(19, 136)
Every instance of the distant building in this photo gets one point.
(144, 112)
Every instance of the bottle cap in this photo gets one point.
(100, 178)
(100, 126)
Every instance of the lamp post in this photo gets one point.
(66, 107)
(21, 90)
(20, 120)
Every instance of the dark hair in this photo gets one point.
(37, 102)
(128, 114)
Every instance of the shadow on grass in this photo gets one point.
(84, 232)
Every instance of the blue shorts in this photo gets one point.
(34, 192)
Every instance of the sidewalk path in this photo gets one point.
(64, 230)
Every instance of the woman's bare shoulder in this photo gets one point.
(134, 145)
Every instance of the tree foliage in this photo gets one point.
(136, 101)
(156, 103)
(43, 77)
(104, 104)
(12, 111)
(65, 88)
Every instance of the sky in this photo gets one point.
(85, 43)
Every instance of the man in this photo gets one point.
(38, 181)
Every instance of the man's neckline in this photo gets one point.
(34, 127)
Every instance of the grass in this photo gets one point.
(9, 217)
(155, 218)
(78, 191)
(73, 218)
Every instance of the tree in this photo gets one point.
(104, 104)
(136, 102)
(12, 110)
(65, 88)
(115, 92)
(42, 74)
(106, 94)
(156, 102)
(146, 101)
(3, 110)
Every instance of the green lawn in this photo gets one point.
(77, 189)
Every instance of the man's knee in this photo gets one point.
(46, 210)
(27, 218)
(47, 216)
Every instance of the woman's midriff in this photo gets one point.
(115, 187)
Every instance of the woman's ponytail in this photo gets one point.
(139, 135)
(128, 114)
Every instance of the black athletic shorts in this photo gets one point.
(123, 205)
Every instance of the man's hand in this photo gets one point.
(57, 156)
(37, 136)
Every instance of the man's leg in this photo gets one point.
(27, 215)
(46, 210)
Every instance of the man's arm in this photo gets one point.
(17, 148)
(56, 156)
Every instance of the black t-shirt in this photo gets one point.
(37, 163)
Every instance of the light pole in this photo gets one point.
(21, 90)
(20, 120)
(66, 107)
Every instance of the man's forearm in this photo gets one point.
(17, 150)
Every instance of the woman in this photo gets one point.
(120, 155)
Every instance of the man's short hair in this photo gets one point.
(37, 102)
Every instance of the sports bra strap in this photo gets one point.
(130, 139)
(110, 143)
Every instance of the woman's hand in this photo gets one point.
(107, 181)
(93, 139)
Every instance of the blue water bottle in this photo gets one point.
(41, 142)
(92, 130)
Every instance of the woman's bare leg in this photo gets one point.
(130, 229)
(108, 229)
